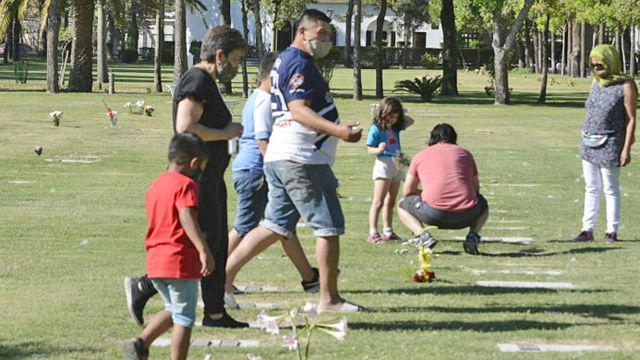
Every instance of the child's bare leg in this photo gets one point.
(234, 240)
(159, 324)
(380, 189)
(180, 339)
(294, 251)
(389, 203)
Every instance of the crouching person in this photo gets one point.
(177, 254)
(450, 196)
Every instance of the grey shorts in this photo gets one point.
(419, 209)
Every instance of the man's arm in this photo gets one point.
(303, 114)
(630, 104)
(262, 146)
(187, 116)
(188, 221)
(411, 186)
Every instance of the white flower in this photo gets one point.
(140, 103)
(290, 342)
(268, 323)
(339, 330)
(55, 114)
(250, 356)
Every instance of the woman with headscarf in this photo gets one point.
(607, 135)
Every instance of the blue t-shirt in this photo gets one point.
(295, 76)
(257, 124)
(391, 137)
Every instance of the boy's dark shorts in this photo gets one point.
(443, 219)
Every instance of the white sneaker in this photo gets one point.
(230, 301)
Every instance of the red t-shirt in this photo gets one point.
(170, 253)
(446, 172)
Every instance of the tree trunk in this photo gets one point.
(601, 34)
(101, 45)
(81, 77)
(17, 34)
(529, 50)
(553, 53)
(623, 52)
(449, 58)
(632, 55)
(379, 50)
(111, 36)
(522, 62)
(347, 36)
(583, 49)
(157, 56)
(7, 46)
(407, 32)
(357, 75)
(575, 49)
(258, 21)
(180, 38)
(563, 55)
(53, 30)
(245, 31)
(545, 69)
(42, 34)
(225, 10)
(502, 46)
(569, 47)
(536, 49)
(133, 32)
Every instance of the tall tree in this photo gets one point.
(245, 31)
(180, 36)
(347, 34)
(81, 77)
(53, 31)
(257, 18)
(575, 49)
(101, 33)
(379, 50)
(11, 13)
(449, 58)
(503, 40)
(357, 73)
(157, 56)
(225, 10)
(545, 68)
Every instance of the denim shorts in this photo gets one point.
(302, 190)
(426, 214)
(251, 187)
(180, 298)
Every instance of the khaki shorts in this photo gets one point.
(387, 168)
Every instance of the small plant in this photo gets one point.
(429, 61)
(55, 117)
(425, 87)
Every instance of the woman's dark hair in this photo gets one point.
(185, 146)
(222, 38)
(389, 106)
(443, 133)
(265, 66)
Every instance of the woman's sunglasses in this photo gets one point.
(597, 66)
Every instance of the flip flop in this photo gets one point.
(347, 307)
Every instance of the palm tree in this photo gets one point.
(157, 58)
(11, 13)
(180, 33)
(53, 31)
(81, 78)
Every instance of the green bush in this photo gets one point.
(429, 61)
(424, 87)
(130, 56)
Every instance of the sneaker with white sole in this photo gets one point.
(230, 301)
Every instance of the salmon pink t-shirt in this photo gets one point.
(170, 253)
(446, 172)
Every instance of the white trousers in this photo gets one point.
(598, 178)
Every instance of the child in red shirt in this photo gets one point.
(177, 255)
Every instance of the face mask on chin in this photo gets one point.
(318, 49)
(226, 71)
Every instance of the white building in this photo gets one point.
(425, 36)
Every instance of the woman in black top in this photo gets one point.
(199, 108)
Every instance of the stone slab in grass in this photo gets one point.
(503, 239)
(515, 185)
(72, 161)
(526, 284)
(518, 272)
(258, 288)
(248, 305)
(511, 228)
(18, 182)
(531, 347)
(166, 342)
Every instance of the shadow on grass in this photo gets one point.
(33, 349)
(570, 241)
(479, 326)
(600, 311)
(541, 252)
(471, 290)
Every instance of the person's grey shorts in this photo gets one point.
(302, 190)
(419, 209)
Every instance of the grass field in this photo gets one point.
(70, 231)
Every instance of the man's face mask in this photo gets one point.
(226, 71)
(318, 49)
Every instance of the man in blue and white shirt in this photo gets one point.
(301, 150)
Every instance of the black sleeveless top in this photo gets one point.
(198, 85)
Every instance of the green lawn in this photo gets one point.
(70, 231)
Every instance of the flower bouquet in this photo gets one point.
(55, 117)
(113, 118)
(424, 274)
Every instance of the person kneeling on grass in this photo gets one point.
(177, 254)
(450, 198)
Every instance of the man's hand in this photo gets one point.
(625, 158)
(349, 133)
(233, 130)
(208, 263)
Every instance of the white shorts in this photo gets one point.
(387, 168)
